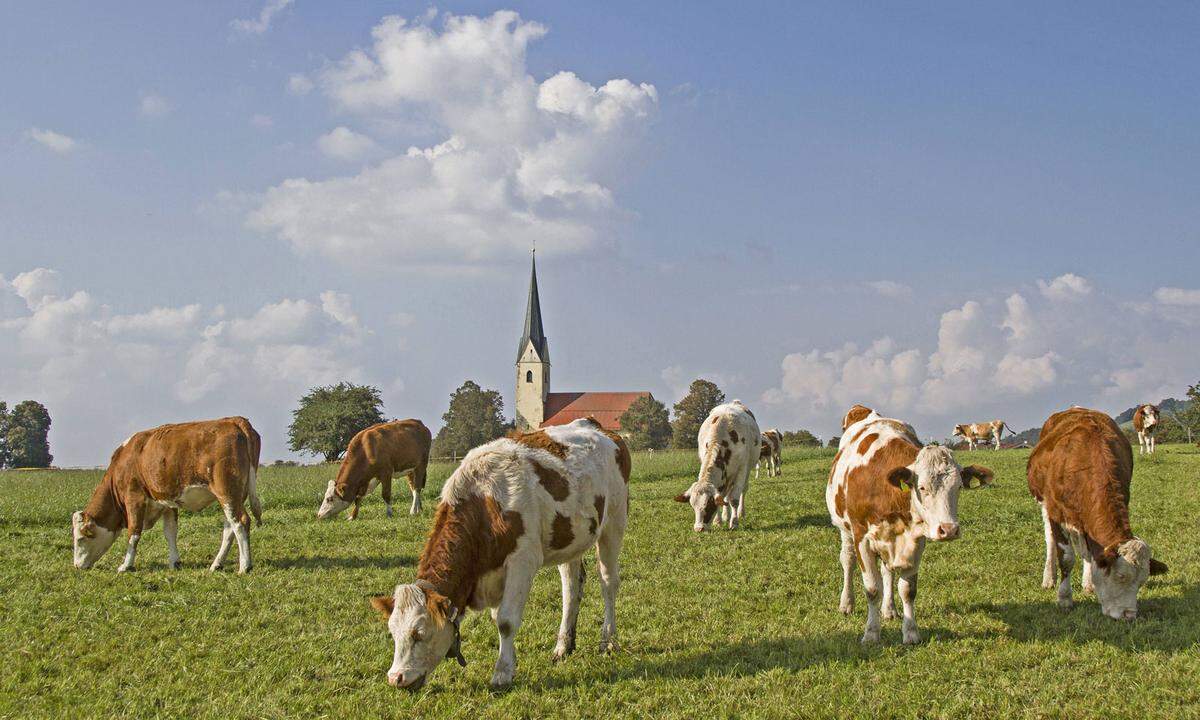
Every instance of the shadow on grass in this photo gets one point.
(797, 523)
(353, 563)
(1165, 624)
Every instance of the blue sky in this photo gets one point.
(953, 213)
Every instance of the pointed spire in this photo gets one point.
(533, 319)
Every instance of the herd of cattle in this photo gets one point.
(532, 499)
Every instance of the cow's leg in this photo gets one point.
(1087, 583)
(846, 606)
(756, 466)
(242, 535)
(778, 466)
(996, 438)
(608, 551)
(1066, 561)
(1051, 569)
(171, 531)
(385, 489)
(871, 584)
(517, 583)
(908, 597)
(888, 603)
(416, 483)
(740, 510)
(572, 591)
(354, 510)
(1152, 444)
(226, 543)
(135, 518)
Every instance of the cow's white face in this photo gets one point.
(935, 480)
(1117, 585)
(705, 500)
(421, 639)
(89, 541)
(1149, 416)
(331, 504)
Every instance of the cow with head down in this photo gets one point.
(888, 495)
(373, 456)
(1145, 424)
(728, 444)
(513, 506)
(771, 453)
(1079, 473)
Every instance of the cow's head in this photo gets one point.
(1121, 570)
(89, 541)
(424, 627)
(704, 498)
(332, 503)
(960, 431)
(934, 479)
(1149, 416)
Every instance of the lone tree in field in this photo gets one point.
(26, 433)
(1188, 417)
(646, 424)
(328, 417)
(475, 416)
(690, 412)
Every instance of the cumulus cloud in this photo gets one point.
(1177, 296)
(57, 142)
(153, 106)
(1065, 287)
(260, 24)
(299, 84)
(103, 372)
(517, 160)
(343, 143)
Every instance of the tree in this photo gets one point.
(646, 424)
(329, 417)
(26, 436)
(475, 416)
(802, 438)
(691, 411)
(834, 441)
(4, 418)
(1187, 417)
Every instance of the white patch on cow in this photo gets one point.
(331, 504)
(87, 550)
(195, 498)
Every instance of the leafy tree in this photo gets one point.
(475, 416)
(647, 424)
(4, 419)
(328, 417)
(1187, 417)
(802, 438)
(26, 436)
(834, 441)
(691, 411)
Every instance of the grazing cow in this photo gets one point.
(982, 432)
(156, 472)
(512, 506)
(1145, 423)
(887, 495)
(1080, 473)
(373, 456)
(728, 445)
(772, 453)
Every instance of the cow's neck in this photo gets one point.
(105, 506)
(1109, 527)
(351, 483)
(450, 561)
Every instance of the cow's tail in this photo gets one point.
(1006, 427)
(252, 495)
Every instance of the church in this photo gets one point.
(538, 407)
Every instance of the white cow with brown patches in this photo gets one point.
(513, 506)
(1145, 424)
(980, 433)
(770, 452)
(728, 444)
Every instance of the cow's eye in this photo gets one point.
(416, 636)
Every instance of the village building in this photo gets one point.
(538, 407)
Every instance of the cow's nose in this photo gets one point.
(947, 531)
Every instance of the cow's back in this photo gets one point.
(735, 426)
(1082, 463)
(172, 457)
(859, 492)
(399, 444)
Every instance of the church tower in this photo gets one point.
(533, 363)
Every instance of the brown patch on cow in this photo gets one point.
(380, 451)
(765, 450)
(468, 539)
(552, 480)
(724, 443)
(539, 440)
(560, 532)
(598, 501)
(839, 501)
(854, 414)
(867, 442)
(870, 497)
(1139, 417)
(733, 436)
(624, 459)
(1080, 471)
(904, 429)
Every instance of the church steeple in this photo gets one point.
(533, 321)
(533, 363)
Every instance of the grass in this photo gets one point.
(725, 624)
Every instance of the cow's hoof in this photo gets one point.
(608, 647)
(1048, 583)
(911, 636)
(216, 567)
(245, 570)
(176, 565)
(501, 680)
(846, 608)
(389, 511)
(888, 613)
(870, 637)
(1066, 603)
(125, 568)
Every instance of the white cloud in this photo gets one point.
(891, 289)
(1066, 287)
(262, 121)
(299, 84)
(153, 106)
(56, 142)
(1177, 296)
(518, 160)
(343, 143)
(262, 23)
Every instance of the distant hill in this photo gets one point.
(1029, 436)
(1166, 405)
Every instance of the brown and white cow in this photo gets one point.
(156, 472)
(982, 432)
(1145, 423)
(887, 495)
(771, 452)
(1080, 473)
(513, 506)
(728, 445)
(372, 458)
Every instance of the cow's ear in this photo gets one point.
(900, 477)
(681, 497)
(982, 475)
(438, 606)
(88, 528)
(385, 604)
(1157, 567)
(1108, 556)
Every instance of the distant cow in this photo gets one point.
(513, 506)
(1145, 423)
(982, 433)
(373, 456)
(771, 452)
(156, 472)
(887, 495)
(728, 445)
(1080, 473)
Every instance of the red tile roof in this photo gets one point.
(607, 407)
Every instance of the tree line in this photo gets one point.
(25, 435)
